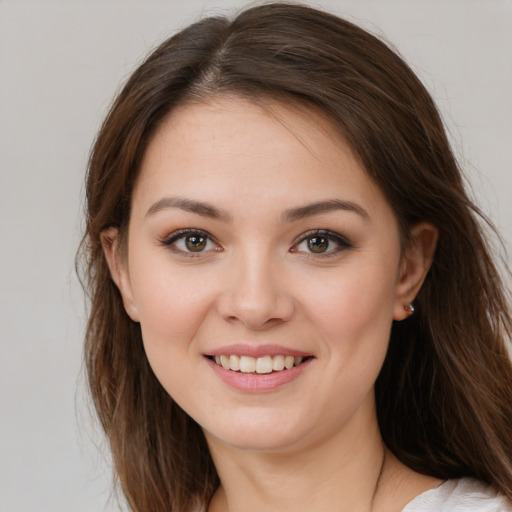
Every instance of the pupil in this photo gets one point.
(318, 244)
(195, 243)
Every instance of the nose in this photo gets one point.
(255, 294)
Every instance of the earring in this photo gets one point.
(409, 308)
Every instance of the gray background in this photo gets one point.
(60, 64)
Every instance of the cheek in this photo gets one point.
(353, 308)
(171, 302)
(172, 307)
(353, 317)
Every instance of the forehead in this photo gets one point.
(233, 148)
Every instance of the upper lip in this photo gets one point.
(244, 349)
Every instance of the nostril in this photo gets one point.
(256, 301)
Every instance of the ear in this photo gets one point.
(414, 266)
(118, 267)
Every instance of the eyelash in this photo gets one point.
(182, 234)
(341, 242)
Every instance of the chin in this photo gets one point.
(259, 432)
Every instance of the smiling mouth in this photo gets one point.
(258, 365)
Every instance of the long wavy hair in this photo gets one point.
(444, 393)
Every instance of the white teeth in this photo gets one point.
(264, 364)
(278, 363)
(261, 365)
(224, 361)
(247, 364)
(234, 363)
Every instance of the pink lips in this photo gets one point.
(255, 383)
(257, 351)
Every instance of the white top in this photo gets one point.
(461, 495)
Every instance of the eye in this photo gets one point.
(191, 241)
(321, 242)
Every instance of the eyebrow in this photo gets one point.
(293, 214)
(323, 207)
(189, 205)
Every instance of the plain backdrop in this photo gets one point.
(60, 64)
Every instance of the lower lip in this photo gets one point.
(257, 383)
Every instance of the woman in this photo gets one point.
(293, 306)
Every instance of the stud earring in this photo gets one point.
(409, 308)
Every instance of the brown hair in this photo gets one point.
(443, 395)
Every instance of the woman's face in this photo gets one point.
(257, 239)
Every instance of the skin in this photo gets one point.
(313, 443)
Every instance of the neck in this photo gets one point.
(339, 472)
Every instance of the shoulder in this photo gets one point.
(460, 495)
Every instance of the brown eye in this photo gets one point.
(196, 243)
(322, 242)
(191, 242)
(318, 244)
